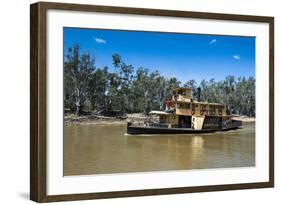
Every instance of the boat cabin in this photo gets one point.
(182, 111)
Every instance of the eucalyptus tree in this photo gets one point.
(125, 74)
(140, 89)
(99, 85)
(78, 71)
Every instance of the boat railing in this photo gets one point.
(148, 123)
(164, 125)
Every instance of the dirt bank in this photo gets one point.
(71, 119)
(244, 118)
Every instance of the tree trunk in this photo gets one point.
(77, 103)
(78, 111)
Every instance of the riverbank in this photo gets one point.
(72, 119)
(244, 118)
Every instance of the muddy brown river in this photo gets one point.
(104, 149)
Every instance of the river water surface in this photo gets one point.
(102, 149)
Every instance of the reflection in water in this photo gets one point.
(98, 149)
(197, 150)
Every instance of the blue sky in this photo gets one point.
(184, 56)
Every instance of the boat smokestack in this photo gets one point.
(198, 94)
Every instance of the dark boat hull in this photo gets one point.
(134, 130)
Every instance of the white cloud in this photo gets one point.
(100, 41)
(237, 57)
(213, 41)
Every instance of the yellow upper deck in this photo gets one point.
(182, 94)
(185, 105)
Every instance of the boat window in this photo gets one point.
(183, 105)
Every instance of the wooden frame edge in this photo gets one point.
(154, 12)
(271, 100)
(155, 192)
(37, 102)
(34, 191)
(38, 113)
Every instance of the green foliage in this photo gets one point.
(238, 95)
(128, 90)
(78, 70)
